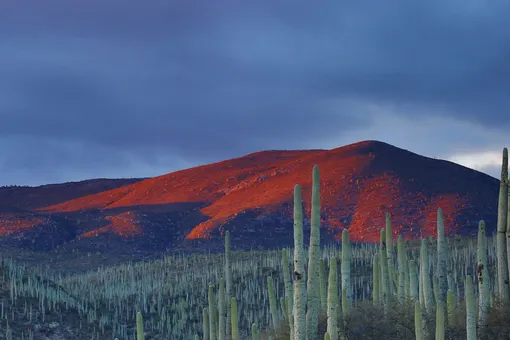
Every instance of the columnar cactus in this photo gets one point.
(376, 276)
(299, 269)
(272, 302)
(483, 276)
(440, 322)
(140, 334)
(205, 323)
(389, 251)
(346, 270)
(413, 284)
(288, 290)
(313, 298)
(401, 266)
(322, 286)
(428, 294)
(385, 280)
(418, 326)
(255, 332)
(228, 286)
(332, 300)
(441, 272)
(212, 312)
(450, 307)
(222, 311)
(470, 309)
(503, 257)
(234, 321)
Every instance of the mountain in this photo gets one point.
(252, 196)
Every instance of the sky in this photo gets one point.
(132, 88)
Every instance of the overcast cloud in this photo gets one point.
(138, 88)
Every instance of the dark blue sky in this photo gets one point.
(131, 88)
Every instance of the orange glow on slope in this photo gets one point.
(358, 187)
(11, 224)
(124, 225)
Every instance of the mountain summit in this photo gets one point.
(252, 197)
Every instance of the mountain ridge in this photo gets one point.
(252, 197)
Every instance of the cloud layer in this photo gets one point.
(135, 88)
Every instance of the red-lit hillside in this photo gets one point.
(252, 197)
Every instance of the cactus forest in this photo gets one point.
(434, 288)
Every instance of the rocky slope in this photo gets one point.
(252, 197)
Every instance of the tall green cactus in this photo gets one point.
(212, 312)
(440, 321)
(450, 307)
(255, 335)
(503, 247)
(470, 309)
(401, 267)
(332, 300)
(376, 277)
(322, 286)
(272, 303)
(205, 323)
(418, 326)
(288, 290)
(299, 269)
(428, 294)
(346, 271)
(140, 334)
(389, 252)
(441, 270)
(413, 284)
(222, 311)
(483, 276)
(313, 297)
(228, 286)
(235, 319)
(385, 280)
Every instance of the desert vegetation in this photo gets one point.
(433, 288)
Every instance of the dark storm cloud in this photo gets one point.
(197, 81)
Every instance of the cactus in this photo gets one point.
(440, 322)
(441, 272)
(332, 300)
(228, 286)
(299, 269)
(346, 271)
(401, 270)
(205, 323)
(502, 233)
(140, 334)
(389, 256)
(313, 298)
(322, 286)
(450, 307)
(418, 326)
(212, 312)
(428, 294)
(255, 332)
(272, 303)
(283, 307)
(288, 290)
(470, 309)
(376, 269)
(483, 276)
(221, 311)
(234, 321)
(413, 284)
(385, 280)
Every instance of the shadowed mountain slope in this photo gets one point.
(252, 197)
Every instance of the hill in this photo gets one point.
(252, 197)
